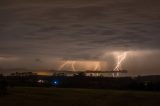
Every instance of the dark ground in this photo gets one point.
(78, 97)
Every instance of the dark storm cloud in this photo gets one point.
(78, 29)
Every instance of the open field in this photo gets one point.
(78, 97)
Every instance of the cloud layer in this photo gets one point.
(78, 29)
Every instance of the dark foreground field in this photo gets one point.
(78, 97)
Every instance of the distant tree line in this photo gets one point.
(3, 85)
(148, 83)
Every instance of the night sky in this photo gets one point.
(42, 34)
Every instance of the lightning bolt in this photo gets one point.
(97, 66)
(71, 63)
(120, 59)
(63, 65)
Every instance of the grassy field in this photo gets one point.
(78, 97)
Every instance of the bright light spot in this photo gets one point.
(55, 82)
(40, 81)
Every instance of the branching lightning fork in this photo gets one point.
(120, 58)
